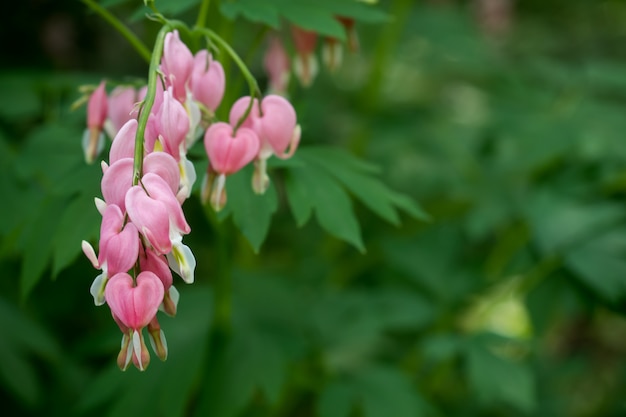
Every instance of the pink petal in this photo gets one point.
(151, 218)
(165, 166)
(116, 181)
(124, 142)
(229, 154)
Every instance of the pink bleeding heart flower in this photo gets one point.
(134, 304)
(208, 81)
(93, 139)
(119, 242)
(172, 125)
(154, 209)
(277, 66)
(276, 128)
(165, 166)
(97, 107)
(229, 151)
(116, 181)
(176, 64)
(305, 63)
(122, 101)
(124, 142)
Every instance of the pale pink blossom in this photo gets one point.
(135, 304)
(277, 65)
(176, 64)
(208, 81)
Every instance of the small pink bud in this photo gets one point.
(97, 107)
(93, 139)
(208, 81)
(277, 65)
(176, 64)
(228, 151)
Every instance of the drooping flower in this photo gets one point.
(134, 303)
(208, 81)
(93, 138)
(228, 152)
(176, 64)
(278, 66)
(305, 63)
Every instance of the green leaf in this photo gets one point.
(332, 205)
(379, 391)
(559, 223)
(315, 15)
(255, 11)
(336, 400)
(22, 337)
(19, 97)
(356, 176)
(38, 246)
(600, 264)
(252, 213)
(299, 201)
(79, 221)
(495, 379)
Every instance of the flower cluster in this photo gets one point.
(148, 177)
(305, 64)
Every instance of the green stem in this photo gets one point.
(144, 113)
(203, 14)
(252, 84)
(119, 26)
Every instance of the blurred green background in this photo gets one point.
(504, 119)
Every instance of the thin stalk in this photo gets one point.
(203, 14)
(144, 113)
(252, 84)
(121, 28)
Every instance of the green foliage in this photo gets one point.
(503, 300)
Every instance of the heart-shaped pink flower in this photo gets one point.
(134, 303)
(229, 152)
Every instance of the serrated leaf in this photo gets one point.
(311, 17)
(255, 11)
(356, 176)
(332, 205)
(315, 15)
